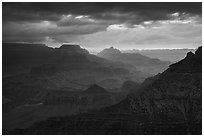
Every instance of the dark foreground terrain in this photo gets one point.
(168, 103)
(41, 82)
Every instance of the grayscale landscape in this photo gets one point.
(101, 68)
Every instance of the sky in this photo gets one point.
(96, 26)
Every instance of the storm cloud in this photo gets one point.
(35, 22)
(53, 11)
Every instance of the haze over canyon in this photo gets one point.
(101, 68)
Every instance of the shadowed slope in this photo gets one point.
(171, 103)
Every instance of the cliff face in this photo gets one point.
(174, 97)
(192, 63)
(181, 80)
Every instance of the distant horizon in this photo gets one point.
(106, 47)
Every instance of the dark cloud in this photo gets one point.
(53, 11)
(124, 24)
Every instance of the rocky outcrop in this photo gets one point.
(72, 49)
(109, 52)
(192, 63)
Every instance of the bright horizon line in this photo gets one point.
(135, 49)
(94, 50)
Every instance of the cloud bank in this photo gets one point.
(98, 25)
